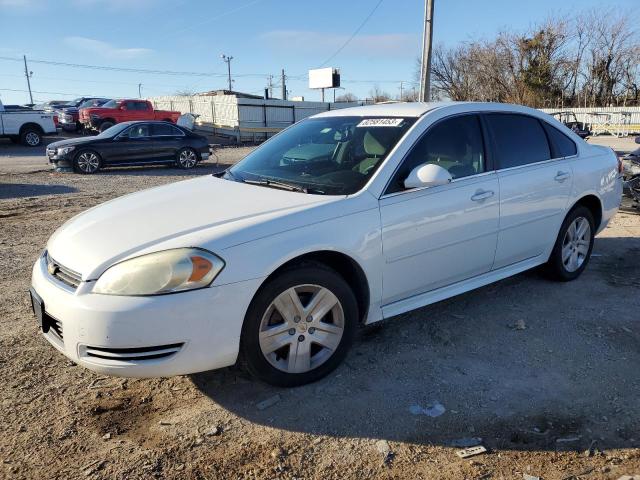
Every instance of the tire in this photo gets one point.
(105, 125)
(186, 158)
(87, 162)
(570, 254)
(325, 340)
(30, 137)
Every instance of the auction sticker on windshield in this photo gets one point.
(381, 122)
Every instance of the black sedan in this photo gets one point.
(130, 143)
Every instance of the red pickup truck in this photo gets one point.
(122, 110)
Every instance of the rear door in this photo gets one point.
(535, 178)
(138, 110)
(167, 140)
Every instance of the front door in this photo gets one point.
(436, 236)
(135, 145)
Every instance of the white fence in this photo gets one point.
(243, 118)
(619, 121)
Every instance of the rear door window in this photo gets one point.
(162, 130)
(561, 145)
(518, 139)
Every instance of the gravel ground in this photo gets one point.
(546, 374)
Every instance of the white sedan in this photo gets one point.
(345, 218)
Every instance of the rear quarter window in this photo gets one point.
(561, 145)
(518, 139)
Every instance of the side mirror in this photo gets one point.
(123, 107)
(427, 175)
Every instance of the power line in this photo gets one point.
(353, 35)
(131, 70)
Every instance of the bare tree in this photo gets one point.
(556, 63)
(347, 97)
(379, 95)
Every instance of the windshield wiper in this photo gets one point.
(277, 184)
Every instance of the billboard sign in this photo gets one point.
(324, 78)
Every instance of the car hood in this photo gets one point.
(204, 212)
(70, 141)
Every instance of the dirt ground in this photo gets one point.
(545, 374)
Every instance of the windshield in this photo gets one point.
(94, 102)
(113, 131)
(329, 155)
(111, 104)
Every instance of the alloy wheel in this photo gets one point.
(576, 243)
(88, 162)
(187, 158)
(32, 139)
(301, 328)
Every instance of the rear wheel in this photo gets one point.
(186, 158)
(31, 137)
(87, 162)
(572, 250)
(299, 326)
(105, 125)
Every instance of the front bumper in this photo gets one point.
(152, 336)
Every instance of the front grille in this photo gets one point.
(133, 354)
(61, 273)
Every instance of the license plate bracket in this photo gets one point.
(38, 309)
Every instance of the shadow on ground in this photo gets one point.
(22, 190)
(526, 364)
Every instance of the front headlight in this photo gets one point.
(65, 150)
(168, 271)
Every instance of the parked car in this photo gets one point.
(50, 106)
(571, 122)
(123, 110)
(26, 126)
(280, 258)
(131, 143)
(69, 114)
(631, 173)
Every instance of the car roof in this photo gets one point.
(417, 109)
(399, 109)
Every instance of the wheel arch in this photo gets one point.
(346, 266)
(32, 125)
(593, 203)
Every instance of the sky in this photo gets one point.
(187, 37)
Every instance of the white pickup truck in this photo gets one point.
(26, 126)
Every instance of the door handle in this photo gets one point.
(561, 176)
(482, 195)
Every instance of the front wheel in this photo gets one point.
(299, 326)
(87, 162)
(186, 158)
(572, 250)
(104, 126)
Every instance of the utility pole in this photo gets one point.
(284, 86)
(139, 90)
(270, 87)
(228, 59)
(27, 74)
(401, 91)
(425, 68)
